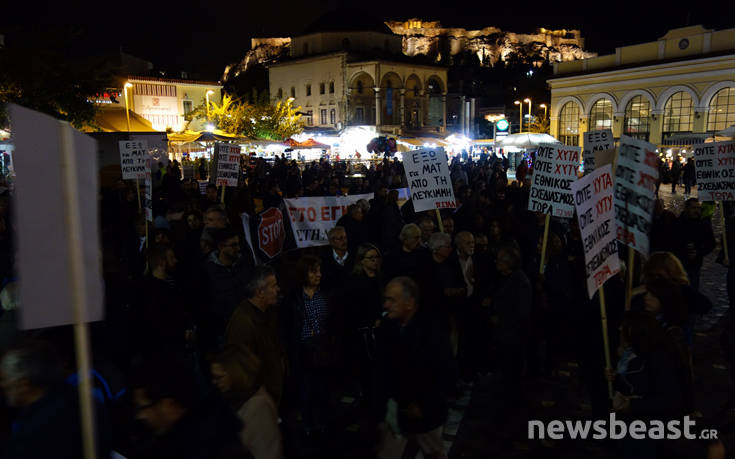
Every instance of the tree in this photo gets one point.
(540, 126)
(53, 70)
(261, 120)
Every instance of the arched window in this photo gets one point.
(331, 87)
(722, 110)
(678, 113)
(359, 87)
(569, 124)
(601, 115)
(637, 122)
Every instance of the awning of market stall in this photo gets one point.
(422, 141)
(205, 136)
(525, 140)
(115, 120)
(308, 143)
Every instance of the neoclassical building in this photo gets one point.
(360, 78)
(675, 91)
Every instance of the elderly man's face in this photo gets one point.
(395, 304)
(466, 246)
(215, 220)
(338, 241)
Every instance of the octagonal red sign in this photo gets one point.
(271, 233)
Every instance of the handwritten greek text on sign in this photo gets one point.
(593, 199)
(148, 195)
(133, 154)
(636, 175)
(228, 164)
(554, 171)
(715, 165)
(427, 172)
(599, 149)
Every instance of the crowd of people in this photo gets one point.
(205, 352)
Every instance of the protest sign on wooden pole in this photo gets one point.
(59, 271)
(605, 338)
(593, 199)
(427, 173)
(223, 194)
(715, 175)
(439, 220)
(133, 154)
(599, 149)
(137, 187)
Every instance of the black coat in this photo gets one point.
(693, 240)
(416, 367)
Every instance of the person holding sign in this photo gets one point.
(693, 239)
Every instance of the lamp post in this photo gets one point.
(529, 112)
(127, 110)
(544, 107)
(520, 117)
(209, 92)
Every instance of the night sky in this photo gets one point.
(203, 37)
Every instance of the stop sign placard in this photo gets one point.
(271, 233)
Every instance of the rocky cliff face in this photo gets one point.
(428, 38)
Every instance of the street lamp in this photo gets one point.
(520, 117)
(544, 107)
(127, 110)
(209, 92)
(529, 112)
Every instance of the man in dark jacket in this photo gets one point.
(337, 260)
(228, 275)
(184, 424)
(48, 423)
(416, 373)
(392, 223)
(693, 240)
(355, 226)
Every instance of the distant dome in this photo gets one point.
(347, 20)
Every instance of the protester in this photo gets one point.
(336, 259)
(254, 324)
(236, 374)
(416, 371)
(693, 239)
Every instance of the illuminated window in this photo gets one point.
(188, 106)
(601, 115)
(331, 87)
(321, 88)
(722, 110)
(637, 123)
(323, 116)
(308, 89)
(332, 116)
(569, 124)
(293, 92)
(678, 113)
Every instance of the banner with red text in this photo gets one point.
(554, 170)
(268, 233)
(636, 174)
(228, 164)
(311, 218)
(715, 165)
(593, 199)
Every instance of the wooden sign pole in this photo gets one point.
(605, 338)
(543, 244)
(724, 233)
(629, 278)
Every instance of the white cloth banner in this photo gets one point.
(554, 170)
(599, 149)
(228, 164)
(133, 154)
(593, 199)
(715, 164)
(311, 218)
(427, 172)
(636, 174)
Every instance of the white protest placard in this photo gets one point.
(311, 218)
(715, 165)
(133, 154)
(554, 171)
(148, 204)
(593, 199)
(228, 164)
(57, 221)
(599, 149)
(427, 173)
(636, 173)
